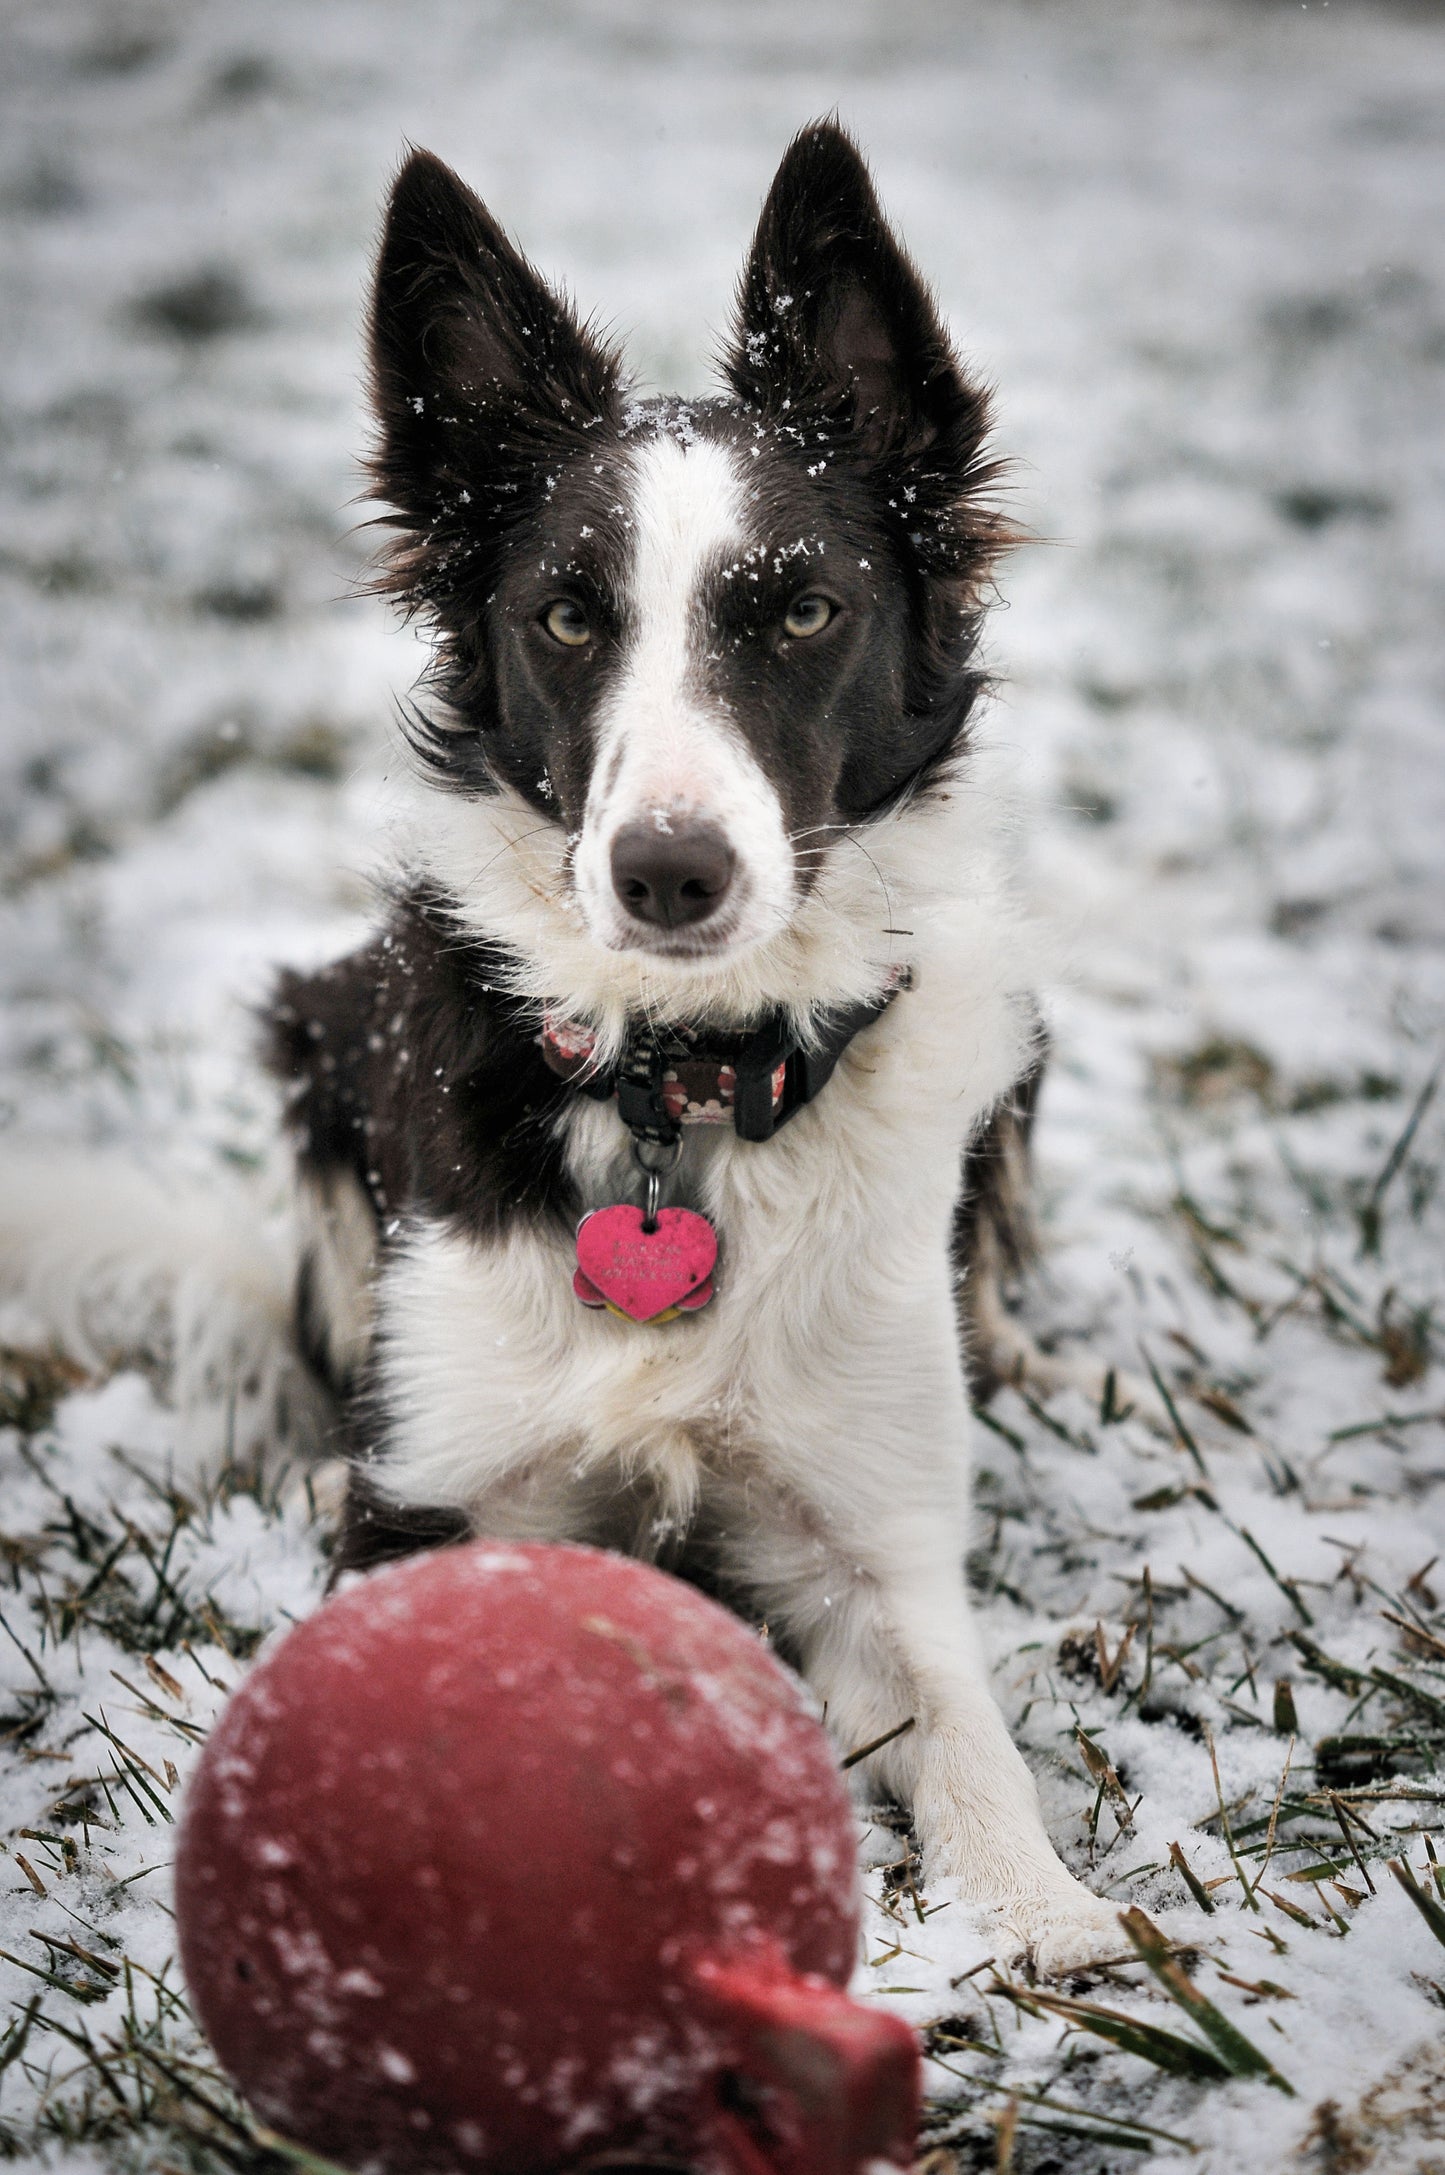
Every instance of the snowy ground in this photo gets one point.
(1200, 250)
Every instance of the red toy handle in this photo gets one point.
(819, 2085)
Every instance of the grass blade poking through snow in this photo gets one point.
(1192, 1881)
(1430, 1910)
(1166, 2050)
(1185, 1438)
(1240, 2056)
(1371, 1211)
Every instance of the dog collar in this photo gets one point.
(669, 1077)
(652, 1264)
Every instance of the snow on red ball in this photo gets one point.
(517, 1857)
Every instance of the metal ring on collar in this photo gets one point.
(660, 1156)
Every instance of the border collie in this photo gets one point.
(707, 947)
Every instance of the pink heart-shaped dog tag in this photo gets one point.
(643, 1273)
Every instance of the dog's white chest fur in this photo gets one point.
(833, 1324)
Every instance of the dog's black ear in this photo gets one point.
(832, 315)
(465, 335)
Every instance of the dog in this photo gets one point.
(707, 944)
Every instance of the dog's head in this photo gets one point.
(690, 647)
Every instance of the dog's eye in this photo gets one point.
(567, 623)
(807, 615)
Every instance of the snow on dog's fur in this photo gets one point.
(700, 721)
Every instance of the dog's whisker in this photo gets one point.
(509, 845)
(810, 830)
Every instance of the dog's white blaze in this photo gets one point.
(665, 750)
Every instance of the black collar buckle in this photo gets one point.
(755, 1059)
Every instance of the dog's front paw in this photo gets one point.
(1061, 1929)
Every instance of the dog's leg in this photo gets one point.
(1001, 1354)
(879, 1619)
(373, 1531)
(995, 1245)
(335, 1274)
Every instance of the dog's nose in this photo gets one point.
(673, 876)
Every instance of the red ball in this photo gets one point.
(513, 1857)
